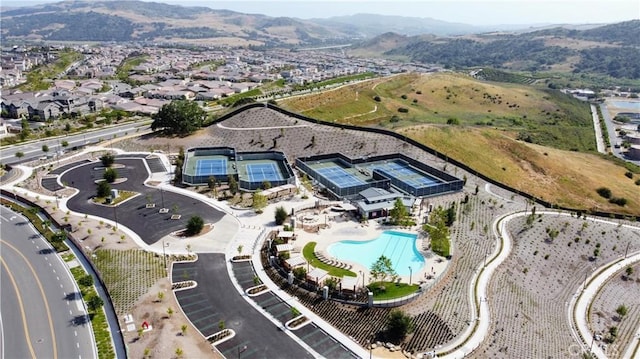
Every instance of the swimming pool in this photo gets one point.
(398, 246)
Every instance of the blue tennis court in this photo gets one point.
(407, 174)
(260, 172)
(339, 176)
(211, 167)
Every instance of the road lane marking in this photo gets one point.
(75, 332)
(24, 316)
(4, 219)
(44, 297)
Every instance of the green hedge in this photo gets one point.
(37, 222)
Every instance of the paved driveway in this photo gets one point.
(150, 225)
(215, 299)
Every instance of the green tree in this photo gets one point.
(233, 185)
(300, 273)
(94, 303)
(604, 192)
(195, 225)
(622, 310)
(399, 212)
(451, 215)
(45, 148)
(19, 154)
(183, 329)
(110, 175)
(104, 189)
(211, 182)
(332, 283)
(26, 129)
(86, 280)
(64, 144)
(179, 117)
(281, 215)
(398, 326)
(629, 271)
(438, 232)
(382, 269)
(58, 237)
(259, 201)
(107, 159)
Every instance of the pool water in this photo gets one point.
(397, 246)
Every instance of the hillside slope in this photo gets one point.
(148, 21)
(480, 123)
(611, 50)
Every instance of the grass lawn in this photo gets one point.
(310, 256)
(37, 78)
(392, 290)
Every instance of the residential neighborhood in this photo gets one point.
(159, 75)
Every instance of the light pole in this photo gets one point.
(115, 215)
(162, 197)
(241, 350)
(410, 274)
(164, 255)
(362, 274)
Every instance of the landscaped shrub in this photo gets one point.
(604, 192)
(281, 215)
(195, 225)
(619, 201)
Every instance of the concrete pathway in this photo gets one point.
(581, 301)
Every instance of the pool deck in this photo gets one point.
(348, 229)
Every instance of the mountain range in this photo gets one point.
(132, 20)
(610, 49)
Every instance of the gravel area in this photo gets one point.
(529, 294)
(619, 290)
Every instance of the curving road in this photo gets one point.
(41, 313)
(33, 149)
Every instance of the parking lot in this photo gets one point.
(148, 223)
(215, 300)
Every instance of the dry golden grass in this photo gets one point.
(562, 177)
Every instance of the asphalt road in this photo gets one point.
(613, 135)
(33, 149)
(42, 315)
(150, 225)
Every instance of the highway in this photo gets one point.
(41, 311)
(33, 149)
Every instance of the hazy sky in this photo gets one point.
(475, 12)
